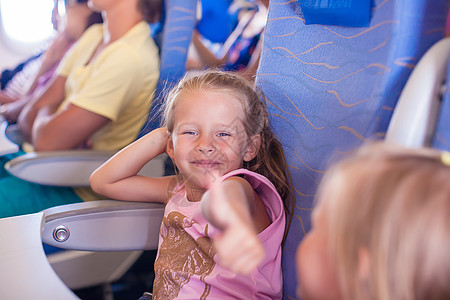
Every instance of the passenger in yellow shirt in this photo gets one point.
(99, 100)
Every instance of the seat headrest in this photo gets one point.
(336, 12)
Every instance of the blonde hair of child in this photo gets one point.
(270, 160)
(395, 203)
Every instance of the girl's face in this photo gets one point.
(316, 271)
(208, 138)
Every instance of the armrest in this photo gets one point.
(6, 145)
(104, 225)
(69, 168)
(413, 123)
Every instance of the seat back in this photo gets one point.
(331, 88)
(217, 22)
(179, 23)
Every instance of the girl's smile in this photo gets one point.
(206, 163)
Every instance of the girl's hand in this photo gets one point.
(160, 138)
(239, 247)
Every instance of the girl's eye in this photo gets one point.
(188, 132)
(223, 134)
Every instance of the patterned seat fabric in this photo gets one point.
(331, 88)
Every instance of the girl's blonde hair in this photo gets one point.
(270, 160)
(395, 203)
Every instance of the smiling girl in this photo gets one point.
(223, 200)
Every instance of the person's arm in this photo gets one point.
(66, 129)
(118, 179)
(50, 130)
(12, 110)
(232, 206)
(51, 57)
(52, 97)
(4, 98)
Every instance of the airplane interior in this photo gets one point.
(334, 76)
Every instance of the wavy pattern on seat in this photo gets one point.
(331, 88)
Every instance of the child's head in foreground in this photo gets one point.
(230, 105)
(381, 228)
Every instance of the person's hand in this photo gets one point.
(8, 112)
(238, 247)
(160, 136)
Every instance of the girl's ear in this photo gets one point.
(169, 148)
(252, 148)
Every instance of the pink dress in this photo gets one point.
(185, 267)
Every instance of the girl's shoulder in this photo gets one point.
(261, 185)
(270, 198)
(255, 179)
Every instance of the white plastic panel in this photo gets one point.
(416, 114)
(25, 272)
(80, 269)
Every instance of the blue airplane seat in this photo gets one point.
(174, 49)
(442, 135)
(216, 23)
(330, 88)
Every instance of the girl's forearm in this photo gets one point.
(130, 160)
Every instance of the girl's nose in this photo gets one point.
(205, 145)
